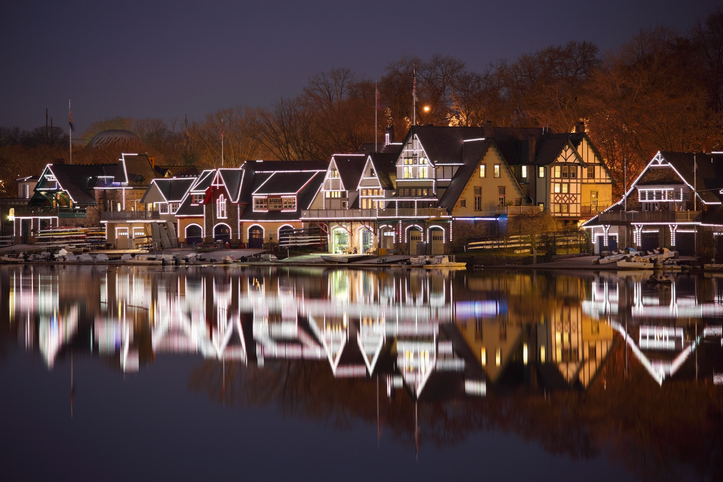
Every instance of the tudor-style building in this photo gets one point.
(414, 200)
(563, 174)
(251, 205)
(674, 203)
(448, 185)
(355, 192)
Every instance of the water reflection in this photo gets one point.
(417, 322)
(431, 355)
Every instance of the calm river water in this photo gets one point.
(132, 373)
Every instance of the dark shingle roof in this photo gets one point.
(445, 144)
(285, 182)
(473, 152)
(710, 172)
(139, 169)
(173, 189)
(385, 165)
(232, 179)
(80, 179)
(351, 168)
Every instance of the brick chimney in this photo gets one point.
(580, 127)
(489, 129)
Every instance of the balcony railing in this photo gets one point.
(424, 212)
(61, 212)
(129, 216)
(650, 217)
(374, 213)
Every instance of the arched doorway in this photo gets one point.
(339, 240)
(386, 238)
(366, 239)
(436, 240)
(256, 237)
(222, 232)
(415, 241)
(194, 234)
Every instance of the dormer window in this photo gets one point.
(198, 198)
(289, 203)
(275, 204)
(261, 204)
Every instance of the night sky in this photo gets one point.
(170, 58)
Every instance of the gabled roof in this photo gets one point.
(201, 183)
(385, 166)
(232, 180)
(350, 167)
(139, 169)
(79, 180)
(171, 189)
(444, 144)
(473, 153)
(280, 177)
(709, 172)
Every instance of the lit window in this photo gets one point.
(498, 357)
(483, 170)
(557, 174)
(260, 204)
(221, 207)
(275, 204)
(524, 172)
(423, 172)
(565, 188)
(497, 170)
(289, 203)
(541, 171)
(556, 188)
(483, 356)
(407, 172)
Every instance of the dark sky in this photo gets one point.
(168, 58)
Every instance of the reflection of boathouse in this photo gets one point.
(430, 333)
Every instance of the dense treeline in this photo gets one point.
(660, 90)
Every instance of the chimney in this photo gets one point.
(580, 127)
(531, 145)
(707, 145)
(489, 129)
(389, 135)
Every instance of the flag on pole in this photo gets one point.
(70, 117)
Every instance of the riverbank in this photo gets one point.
(252, 257)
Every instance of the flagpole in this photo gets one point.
(70, 130)
(414, 97)
(376, 115)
